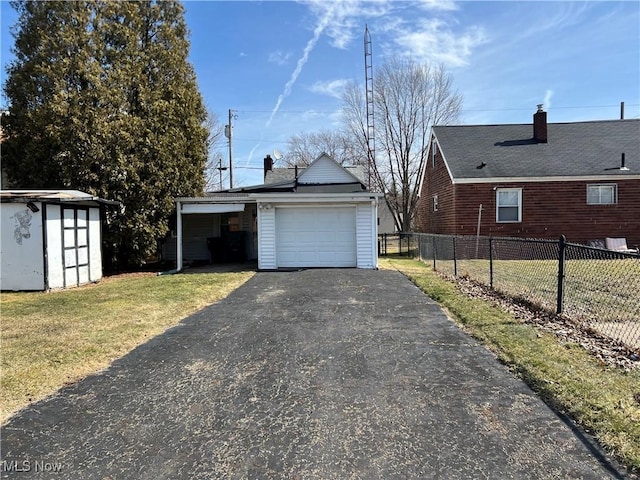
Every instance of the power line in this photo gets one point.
(551, 108)
(235, 139)
(464, 110)
(288, 111)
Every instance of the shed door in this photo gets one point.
(316, 236)
(75, 231)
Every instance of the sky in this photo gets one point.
(279, 66)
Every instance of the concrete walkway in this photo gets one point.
(317, 374)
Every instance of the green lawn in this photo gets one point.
(49, 339)
(596, 291)
(605, 401)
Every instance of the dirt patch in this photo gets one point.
(117, 276)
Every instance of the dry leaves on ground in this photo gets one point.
(603, 348)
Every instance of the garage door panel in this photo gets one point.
(316, 237)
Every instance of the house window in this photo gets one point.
(509, 205)
(435, 203)
(602, 194)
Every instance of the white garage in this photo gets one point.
(322, 216)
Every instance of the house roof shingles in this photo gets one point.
(576, 149)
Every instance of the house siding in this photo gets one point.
(196, 229)
(551, 209)
(366, 223)
(325, 170)
(267, 259)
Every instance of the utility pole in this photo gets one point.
(220, 169)
(228, 129)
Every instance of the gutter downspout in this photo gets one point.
(374, 207)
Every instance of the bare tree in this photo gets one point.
(304, 148)
(214, 177)
(409, 99)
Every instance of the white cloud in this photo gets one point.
(547, 99)
(332, 88)
(312, 115)
(446, 5)
(279, 57)
(433, 40)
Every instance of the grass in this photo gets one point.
(597, 291)
(605, 401)
(54, 338)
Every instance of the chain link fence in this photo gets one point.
(592, 285)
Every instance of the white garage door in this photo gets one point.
(316, 236)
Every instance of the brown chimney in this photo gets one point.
(540, 125)
(268, 165)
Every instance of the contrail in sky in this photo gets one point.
(324, 21)
(251, 153)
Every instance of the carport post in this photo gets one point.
(179, 236)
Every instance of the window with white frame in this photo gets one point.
(602, 194)
(508, 205)
(435, 203)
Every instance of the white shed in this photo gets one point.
(49, 239)
(321, 217)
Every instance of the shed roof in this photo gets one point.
(576, 149)
(52, 196)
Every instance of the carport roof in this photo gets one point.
(218, 197)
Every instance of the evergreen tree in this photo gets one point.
(103, 99)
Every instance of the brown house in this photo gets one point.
(579, 179)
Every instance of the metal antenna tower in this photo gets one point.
(368, 76)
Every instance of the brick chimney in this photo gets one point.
(268, 165)
(540, 125)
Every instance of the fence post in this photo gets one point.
(434, 253)
(562, 244)
(491, 262)
(455, 260)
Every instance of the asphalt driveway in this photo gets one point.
(316, 374)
